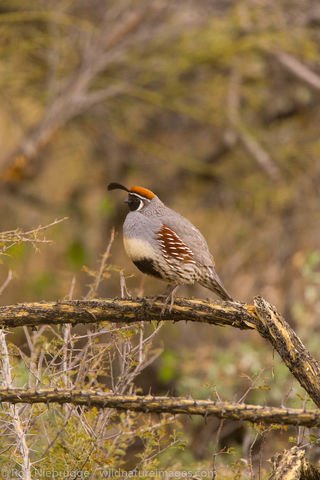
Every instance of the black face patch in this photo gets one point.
(147, 266)
(134, 202)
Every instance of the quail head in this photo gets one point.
(163, 243)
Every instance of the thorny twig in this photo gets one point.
(95, 285)
(78, 360)
(13, 410)
(14, 237)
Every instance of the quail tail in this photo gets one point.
(214, 284)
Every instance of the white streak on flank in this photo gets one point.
(137, 249)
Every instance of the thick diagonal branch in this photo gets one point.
(293, 465)
(175, 405)
(300, 362)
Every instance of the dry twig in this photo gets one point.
(297, 68)
(13, 410)
(15, 237)
(251, 144)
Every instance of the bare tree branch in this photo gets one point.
(174, 405)
(251, 144)
(292, 465)
(13, 237)
(110, 43)
(298, 69)
(97, 280)
(300, 362)
(262, 316)
(13, 411)
(125, 311)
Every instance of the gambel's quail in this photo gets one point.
(163, 243)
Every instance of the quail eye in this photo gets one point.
(134, 203)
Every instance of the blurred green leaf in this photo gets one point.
(42, 282)
(106, 206)
(77, 253)
(168, 366)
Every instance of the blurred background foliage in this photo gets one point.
(213, 105)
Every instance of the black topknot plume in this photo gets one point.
(115, 186)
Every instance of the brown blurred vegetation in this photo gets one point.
(212, 105)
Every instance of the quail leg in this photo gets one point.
(166, 296)
(170, 291)
(123, 286)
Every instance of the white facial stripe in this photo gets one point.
(140, 206)
(140, 196)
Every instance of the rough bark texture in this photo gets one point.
(124, 311)
(261, 316)
(278, 332)
(292, 465)
(176, 405)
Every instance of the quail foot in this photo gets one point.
(164, 244)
